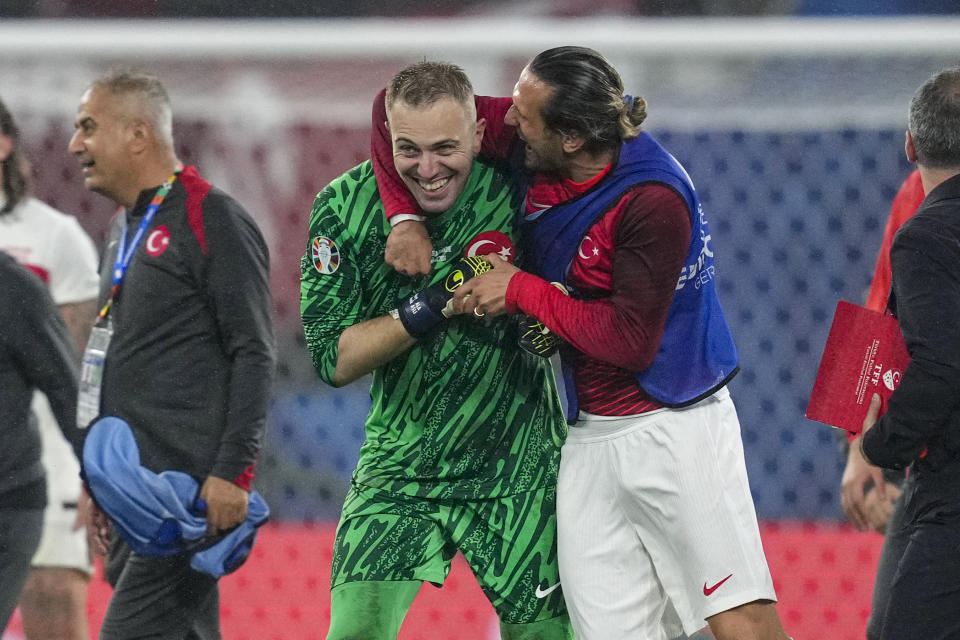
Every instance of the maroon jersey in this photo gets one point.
(623, 278)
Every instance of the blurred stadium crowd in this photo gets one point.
(428, 8)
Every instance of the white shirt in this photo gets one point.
(54, 246)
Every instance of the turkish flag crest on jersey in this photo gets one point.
(158, 241)
(491, 242)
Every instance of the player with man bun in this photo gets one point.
(657, 531)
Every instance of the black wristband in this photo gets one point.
(422, 312)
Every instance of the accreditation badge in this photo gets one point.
(91, 372)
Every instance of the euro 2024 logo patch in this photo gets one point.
(326, 255)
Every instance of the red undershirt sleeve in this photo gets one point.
(624, 329)
(498, 134)
(394, 194)
(905, 204)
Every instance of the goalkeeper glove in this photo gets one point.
(427, 308)
(534, 337)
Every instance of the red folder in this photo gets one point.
(865, 354)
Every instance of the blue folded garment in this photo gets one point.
(161, 514)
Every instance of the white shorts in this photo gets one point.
(656, 525)
(60, 545)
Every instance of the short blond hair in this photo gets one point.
(423, 83)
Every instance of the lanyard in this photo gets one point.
(125, 253)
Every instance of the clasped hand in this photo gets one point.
(485, 294)
(226, 508)
(866, 497)
(226, 504)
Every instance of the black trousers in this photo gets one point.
(924, 600)
(159, 599)
(894, 545)
(20, 531)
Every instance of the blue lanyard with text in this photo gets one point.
(124, 253)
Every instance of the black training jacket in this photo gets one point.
(36, 352)
(924, 410)
(191, 361)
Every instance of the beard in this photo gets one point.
(543, 160)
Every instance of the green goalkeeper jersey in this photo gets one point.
(464, 414)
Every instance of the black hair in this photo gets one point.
(587, 99)
(16, 182)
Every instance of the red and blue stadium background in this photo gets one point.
(796, 219)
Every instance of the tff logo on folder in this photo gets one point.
(864, 354)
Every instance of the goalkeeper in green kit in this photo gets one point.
(463, 439)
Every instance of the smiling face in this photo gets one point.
(433, 149)
(544, 151)
(101, 143)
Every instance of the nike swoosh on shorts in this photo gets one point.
(708, 590)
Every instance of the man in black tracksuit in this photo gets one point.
(36, 352)
(190, 355)
(921, 427)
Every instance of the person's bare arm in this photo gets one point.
(368, 345)
(97, 525)
(879, 507)
(858, 475)
(80, 318)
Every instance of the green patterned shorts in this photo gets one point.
(510, 544)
